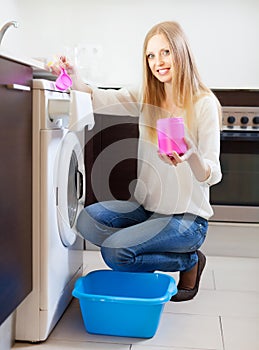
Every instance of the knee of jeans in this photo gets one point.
(118, 258)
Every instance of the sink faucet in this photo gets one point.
(5, 27)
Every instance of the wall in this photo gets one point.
(223, 35)
(9, 11)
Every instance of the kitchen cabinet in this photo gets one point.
(111, 158)
(15, 185)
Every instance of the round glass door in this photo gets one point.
(70, 187)
(72, 203)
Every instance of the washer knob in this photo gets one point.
(256, 120)
(244, 120)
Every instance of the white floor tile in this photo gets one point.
(240, 333)
(219, 303)
(237, 274)
(71, 328)
(93, 261)
(68, 345)
(187, 331)
(143, 347)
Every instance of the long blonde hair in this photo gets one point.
(187, 86)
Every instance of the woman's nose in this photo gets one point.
(159, 60)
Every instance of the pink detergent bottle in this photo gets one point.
(170, 132)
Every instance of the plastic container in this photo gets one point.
(63, 81)
(123, 303)
(170, 132)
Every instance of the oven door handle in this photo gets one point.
(239, 136)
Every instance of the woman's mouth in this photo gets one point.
(163, 71)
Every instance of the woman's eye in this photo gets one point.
(166, 52)
(150, 56)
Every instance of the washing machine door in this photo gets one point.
(70, 187)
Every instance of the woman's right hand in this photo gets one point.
(62, 62)
(78, 83)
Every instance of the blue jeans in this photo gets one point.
(136, 240)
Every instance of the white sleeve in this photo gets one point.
(208, 142)
(116, 102)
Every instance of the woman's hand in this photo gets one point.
(172, 159)
(199, 168)
(78, 83)
(62, 62)
(175, 158)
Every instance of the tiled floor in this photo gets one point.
(223, 316)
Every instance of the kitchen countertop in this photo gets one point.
(35, 64)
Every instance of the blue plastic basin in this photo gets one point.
(123, 303)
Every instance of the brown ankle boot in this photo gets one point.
(188, 278)
(188, 294)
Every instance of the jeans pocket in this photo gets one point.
(200, 231)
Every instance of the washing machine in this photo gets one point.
(59, 120)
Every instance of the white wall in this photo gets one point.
(8, 12)
(223, 34)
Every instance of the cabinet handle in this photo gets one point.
(18, 87)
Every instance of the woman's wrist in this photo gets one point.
(79, 84)
(199, 168)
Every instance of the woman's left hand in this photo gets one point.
(199, 168)
(175, 158)
(172, 159)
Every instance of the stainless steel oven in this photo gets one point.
(236, 197)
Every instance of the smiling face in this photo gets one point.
(159, 58)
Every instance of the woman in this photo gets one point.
(164, 227)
